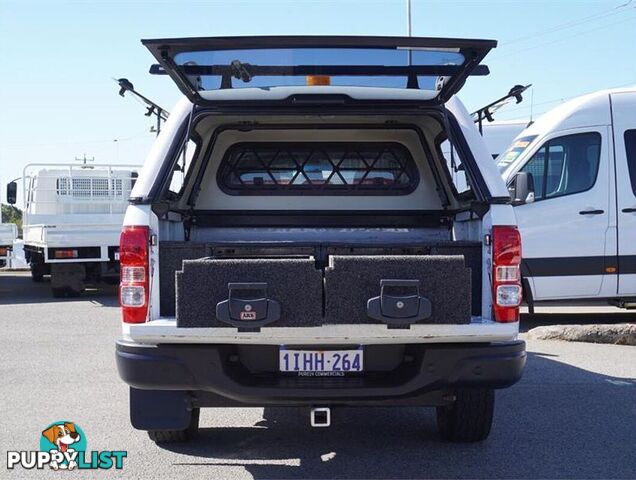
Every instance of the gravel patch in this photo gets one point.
(618, 334)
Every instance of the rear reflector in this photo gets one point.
(3, 251)
(66, 253)
(506, 278)
(134, 286)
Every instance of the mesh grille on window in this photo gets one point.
(87, 188)
(63, 186)
(117, 187)
(81, 187)
(100, 187)
(318, 168)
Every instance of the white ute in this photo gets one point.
(572, 174)
(295, 237)
(71, 222)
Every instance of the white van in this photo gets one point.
(499, 134)
(572, 175)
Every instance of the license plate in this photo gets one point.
(329, 362)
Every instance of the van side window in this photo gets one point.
(630, 152)
(565, 165)
(536, 168)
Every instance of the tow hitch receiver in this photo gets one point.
(320, 417)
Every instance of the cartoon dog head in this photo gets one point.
(62, 435)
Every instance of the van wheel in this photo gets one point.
(469, 418)
(175, 436)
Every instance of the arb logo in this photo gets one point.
(63, 447)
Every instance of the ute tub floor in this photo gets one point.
(312, 297)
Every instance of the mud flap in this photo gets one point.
(159, 409)
(68, 275)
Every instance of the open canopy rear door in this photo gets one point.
(439, 65)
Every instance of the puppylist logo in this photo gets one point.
(63, 447)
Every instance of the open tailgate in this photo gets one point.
(438, 65)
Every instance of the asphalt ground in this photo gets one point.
(573, 415)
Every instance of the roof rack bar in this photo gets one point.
(335, 70)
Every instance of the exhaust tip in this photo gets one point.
(320, 417)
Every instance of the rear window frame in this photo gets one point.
(411, 169)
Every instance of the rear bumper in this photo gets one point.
(166, 331)
(218, 375)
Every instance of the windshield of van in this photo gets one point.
(513, 152)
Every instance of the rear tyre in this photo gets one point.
(175, 436)
(37, 272)
(60, 292)
(67, 280)
(73, 293)
(469, 418)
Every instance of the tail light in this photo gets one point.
(506, 275)
(66, 253)
(134, 273)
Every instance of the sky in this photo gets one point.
(57, 59)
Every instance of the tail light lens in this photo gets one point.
(133, 263)
(66, 253)
(506, 278)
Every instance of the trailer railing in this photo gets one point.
(61, 189)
